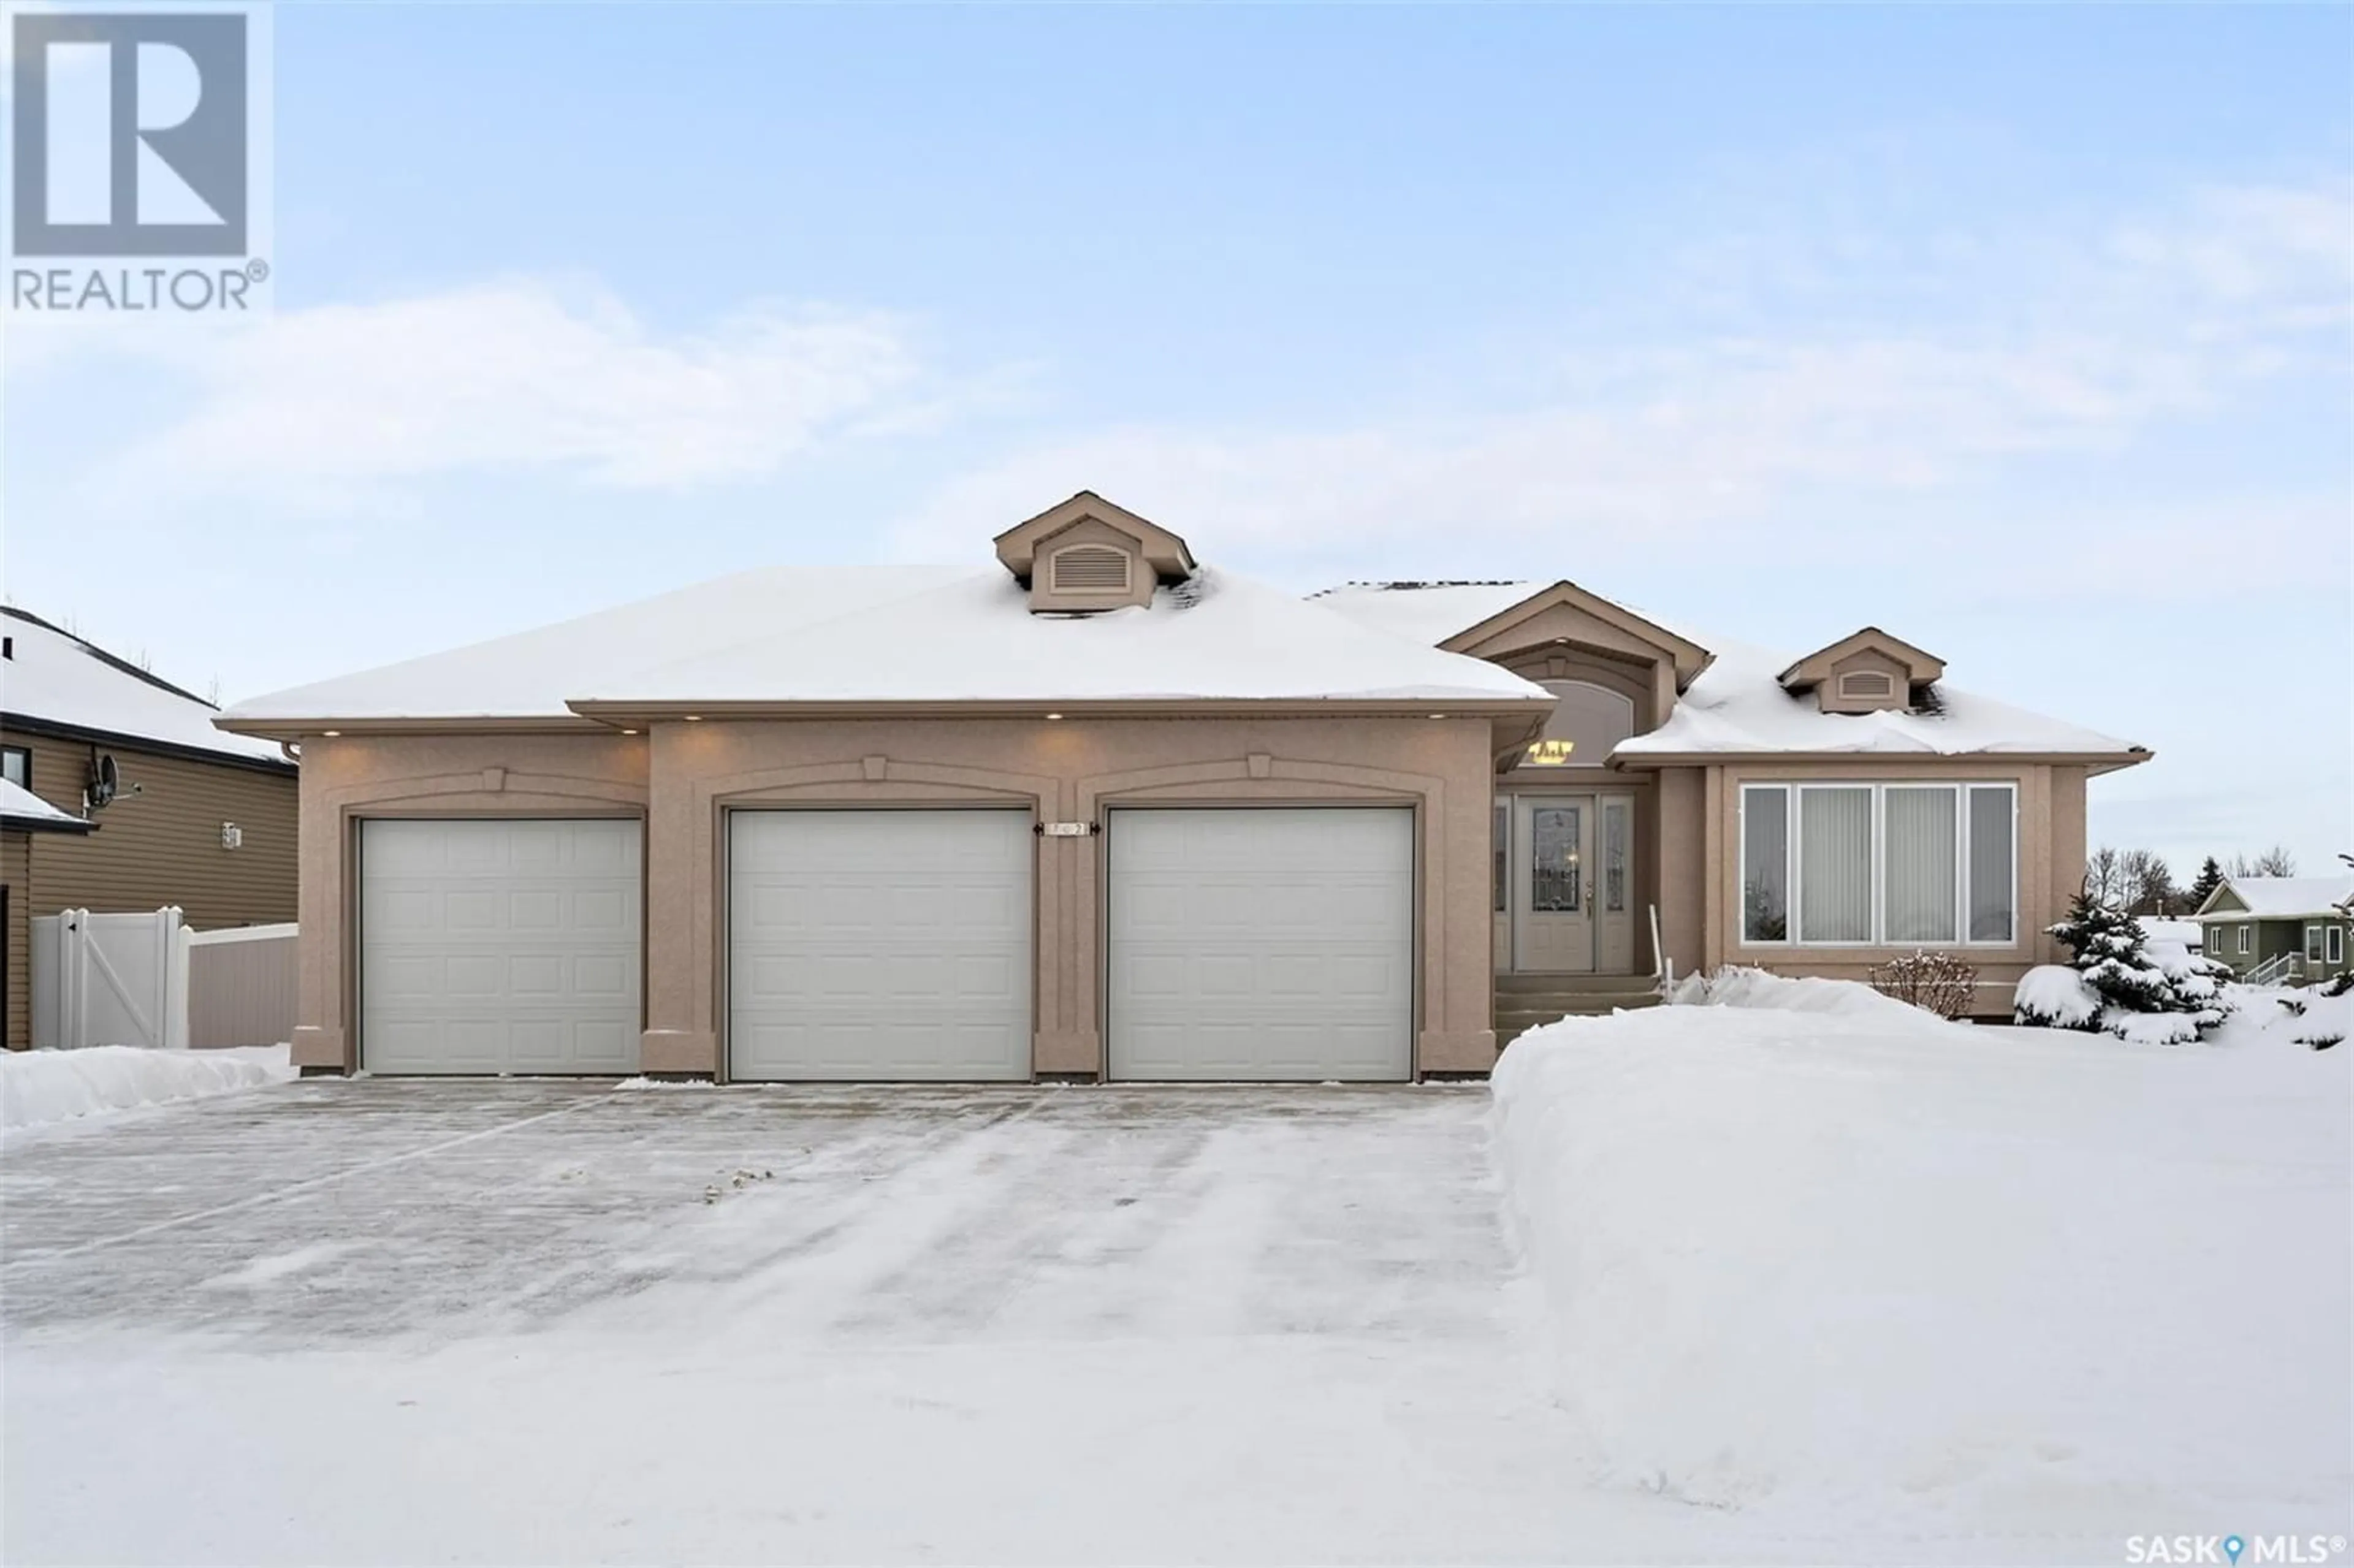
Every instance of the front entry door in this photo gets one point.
(1552, 883)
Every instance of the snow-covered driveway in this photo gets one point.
(533, 1321)
(327, 1213)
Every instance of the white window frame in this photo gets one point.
(2247, 929)
(2333, 944)
(1794, 815)
(2313, 948)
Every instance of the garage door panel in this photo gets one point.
(880, 945)
(488, 946)
(1261, 943)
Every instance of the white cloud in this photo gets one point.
(318, 406)
(2092, 340)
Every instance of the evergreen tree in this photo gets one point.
(2211, 877)
(2106, 945)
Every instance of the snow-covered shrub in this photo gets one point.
(2053, 996)
(2321, 1019)
(1935, 983)
(2137, 980)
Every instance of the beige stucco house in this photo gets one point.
(1102, 811)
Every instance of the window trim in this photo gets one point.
(2333, 944)
(2247, 930)
(1793, 816)
(2312, 948)
(27, 753)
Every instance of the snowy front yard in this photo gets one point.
(1797, 1287)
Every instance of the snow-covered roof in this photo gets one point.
(1425, 612)
(1738, 704)
(907, 634)
(57, 678)
(2280, 897)
(19, 807)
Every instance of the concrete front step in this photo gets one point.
(1514, 1018)
(1588, 1002)
(1551, 984)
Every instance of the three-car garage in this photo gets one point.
(878, 945)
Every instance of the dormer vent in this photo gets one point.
(1866, 672)
(1088, 555)
(1089, 568)
(1867, 686)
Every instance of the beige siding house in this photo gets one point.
(164, 807)
(1104, 812)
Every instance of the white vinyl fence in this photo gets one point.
(240, 986)
(147, 979)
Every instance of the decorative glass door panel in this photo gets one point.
(1553, 916)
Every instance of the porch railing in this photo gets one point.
(2278, 969)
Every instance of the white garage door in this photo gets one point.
(1262, 944)
(879, 945)
(500, 946)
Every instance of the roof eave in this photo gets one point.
(17, 824)
(120, 741)
(2092, 762)
(626, 711)
(300, 729)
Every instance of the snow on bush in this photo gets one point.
(38, 1087)
(2150, 993)
(1845, 1261)
(2053, 996)
(1935, 983)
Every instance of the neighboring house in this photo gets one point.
(124, 798)
(1103, 812)
(2284, 929)
(23, 815)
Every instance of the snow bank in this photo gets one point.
(1739, 987)
(38, 1087)
(2299, 1016)
(1820, 1255)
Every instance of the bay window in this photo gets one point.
(1891, 865)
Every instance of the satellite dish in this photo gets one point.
(105, 779)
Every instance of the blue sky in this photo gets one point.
(2022, 332)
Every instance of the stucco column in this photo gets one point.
(1459, 977)
(679, 1035)
(323, 1041)
(1681, 834)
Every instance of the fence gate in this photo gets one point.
(110, 980)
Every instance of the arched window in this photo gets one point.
(1588, 723)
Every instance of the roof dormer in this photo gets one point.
(1865, 672)
(1088, 554)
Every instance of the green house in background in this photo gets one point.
(2279, 931)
